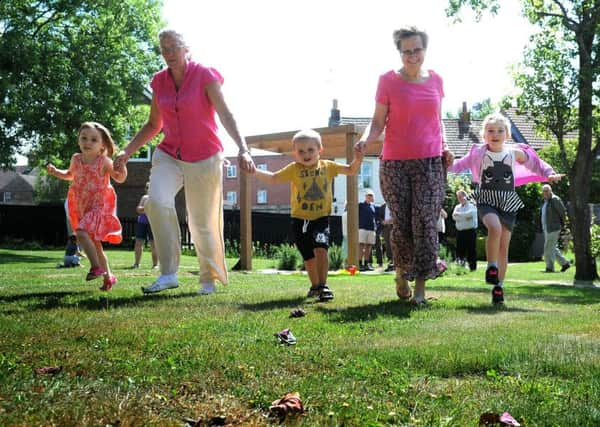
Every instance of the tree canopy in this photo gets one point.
(63, 62)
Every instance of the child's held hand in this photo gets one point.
(359, 154)
(51, 169)
(448, 157)
(555, 177)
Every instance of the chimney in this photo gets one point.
(465, 115)
(464, 121)
(334, 118)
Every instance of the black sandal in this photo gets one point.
(325, 294)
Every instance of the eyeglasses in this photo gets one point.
(169, 50)
(415, 51)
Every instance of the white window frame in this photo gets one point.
(232, 197)
(232, 171)
(365, 180)
(146, 159)
(262, 197)
(7, 197)
(262, 166)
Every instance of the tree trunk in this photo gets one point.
(585, 265)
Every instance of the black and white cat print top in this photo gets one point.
(497, 182)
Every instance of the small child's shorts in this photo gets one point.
(309, 235)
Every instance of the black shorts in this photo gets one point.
(508, 220)
(143, 232)
(309, 235)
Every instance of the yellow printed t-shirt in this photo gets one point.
(311, 188)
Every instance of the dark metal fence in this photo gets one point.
(47, 226)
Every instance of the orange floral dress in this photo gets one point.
(92, 202)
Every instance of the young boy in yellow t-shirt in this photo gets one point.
(311, 181)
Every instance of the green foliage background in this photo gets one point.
(63, 62)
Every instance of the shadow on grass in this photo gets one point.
(549, 293)
(274, 304)
(369, 312)
(14, 258)
(96, 300)
(494, 309)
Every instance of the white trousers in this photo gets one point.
(551, 250)
(203, 185)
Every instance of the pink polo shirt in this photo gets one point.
(188, 117)
(413, 129)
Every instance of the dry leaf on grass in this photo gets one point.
(48, 370)
(289, 404)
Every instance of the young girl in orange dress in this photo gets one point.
(92, 199)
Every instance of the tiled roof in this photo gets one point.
(461, 136)
(523, 129)
(13, 181)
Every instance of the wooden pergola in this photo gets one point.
(338, 142)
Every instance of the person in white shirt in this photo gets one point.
(465, 216)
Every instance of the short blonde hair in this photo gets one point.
(407, 32)
(496, 118)
(308, 135)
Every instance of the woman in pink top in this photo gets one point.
(412, 173)
(186, 96)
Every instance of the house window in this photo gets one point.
(232, 197)
(261, 196)
(144, 154)
(231, 171)
(262, 166)
(365, 179)
(7, 196)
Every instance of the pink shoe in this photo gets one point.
(94, 273)
(109, 281)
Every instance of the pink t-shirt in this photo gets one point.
(413, 128)
(188, 117)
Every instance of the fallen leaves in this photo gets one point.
(289, 404)
(48, 370)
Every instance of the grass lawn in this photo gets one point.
(363, 359)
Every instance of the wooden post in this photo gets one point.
(245, 222)
(352, 202)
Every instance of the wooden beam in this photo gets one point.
(245, 222)
(352, 203)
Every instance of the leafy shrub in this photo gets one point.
(232, 248)
(595, 237)
(288, 257)
(336, 257)
(264, 250)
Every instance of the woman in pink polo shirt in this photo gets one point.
(186, 96)
(412, 173)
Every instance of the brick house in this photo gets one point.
(265, 197)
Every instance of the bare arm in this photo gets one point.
(267, 176)
(148, 131)
(375, 128)
(140, 207)
(213, 90)
(65, 174)
(354, 166)
(119, 175)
